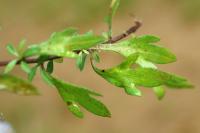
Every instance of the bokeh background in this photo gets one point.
(177, 22)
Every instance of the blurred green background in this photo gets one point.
(177, 22)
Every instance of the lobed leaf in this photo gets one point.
(64, 44)
(143, 45)
(118, 76)
(124, 76)
(82, 96)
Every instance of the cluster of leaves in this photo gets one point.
(140, 51)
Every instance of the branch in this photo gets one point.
(128, 32)
(115, 39)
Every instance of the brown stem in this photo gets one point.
(128, 32)
(112, 40)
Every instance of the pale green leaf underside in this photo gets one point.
(145, 47)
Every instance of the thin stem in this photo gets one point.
(115, 39)
(128, 32)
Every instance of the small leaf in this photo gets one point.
(95, 56)
(25, 67)
(113, 8)
(12, 50)
(22, 48)
(32, 73)
(75, 109)
(147, 39)
(81, 60)
(114, 5)
(160, 92)
(50, 67)
(60, 36)
(16, 85)
(10, 66)
(33, 50)
(21, 45)
(45, 76)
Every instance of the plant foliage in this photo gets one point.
(141, 54)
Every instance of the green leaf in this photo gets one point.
(46, 77)
(64, 44)
(50, 67)
(82, 96)
(124, 76)
(142, 45)
(10, 66)
(113, 8)
(32, 73)
(85, 41)
(16, 85)
(25, 67)
(42, 59)
(133, 90)
(114, 5)
(58, 37)
(12, 50)
(120, 76)
(75, 109)
(21, 46)
(178, 82)
(145, 64)
(160, 92)
(147, 39)
(32, 50)
(156, 54)
(95, 57)
(81, 60)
